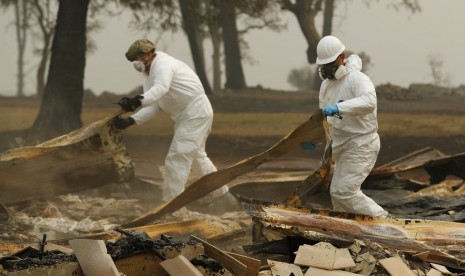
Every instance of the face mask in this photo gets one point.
(327, 71)
(139, 65)
(331, 72)
(340, 72)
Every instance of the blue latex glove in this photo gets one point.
(330, 110)
(307, 145)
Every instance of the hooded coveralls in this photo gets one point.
(172, 86)
(355, 141)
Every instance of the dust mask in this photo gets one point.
(139, 65)
(340, 72)
(332, 72)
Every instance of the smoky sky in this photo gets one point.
(398, 43)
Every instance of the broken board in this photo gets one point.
(85, 158)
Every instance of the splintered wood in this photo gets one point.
(431, 241)
(85, 158)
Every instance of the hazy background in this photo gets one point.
(397, 42)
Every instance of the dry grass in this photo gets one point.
(231, 124)
(432, 125)
(18, 116)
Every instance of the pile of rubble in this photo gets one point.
(280, 248)
(291, 236)
(416, 91)
(397, 93)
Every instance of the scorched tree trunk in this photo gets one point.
(61, 105)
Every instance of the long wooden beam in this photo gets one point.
(431, 239)
(311, 130)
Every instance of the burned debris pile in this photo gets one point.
(290, 230)
(30, 258)
(134, 254)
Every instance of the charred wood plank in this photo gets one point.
(423, 206)
(182, 229)
(410, 235)
(319, 177)
(229, 262)
(437, 164)
(311, 130)
(85, 158)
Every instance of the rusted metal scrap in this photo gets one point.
(311, 130)
(85, 158)
(432, 241)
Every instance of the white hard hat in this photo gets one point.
(328, 49)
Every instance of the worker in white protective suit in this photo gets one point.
(171, 85)
(348, 98)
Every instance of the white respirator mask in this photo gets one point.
(329, 72)
(340, 72)
(139, 65)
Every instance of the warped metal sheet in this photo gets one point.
(85, 158)
(437, 241)
(311, 130)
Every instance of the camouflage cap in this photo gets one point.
(139, 46)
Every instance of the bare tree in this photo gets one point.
(61, 105)
(436, 64)
(235, 78)
(302, 78)
(328, 16)
(164, 15)
(307, 10)
(214, 29)
(21, 23)
(44, 12)
(191, 14)
(204, 19)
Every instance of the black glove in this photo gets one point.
(123, 123)
(130, 104)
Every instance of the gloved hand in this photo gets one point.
(123, 123)
(307, 145)
(130, 104)
(330, 110)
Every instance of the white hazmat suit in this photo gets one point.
(172, 86)
(355, 141)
